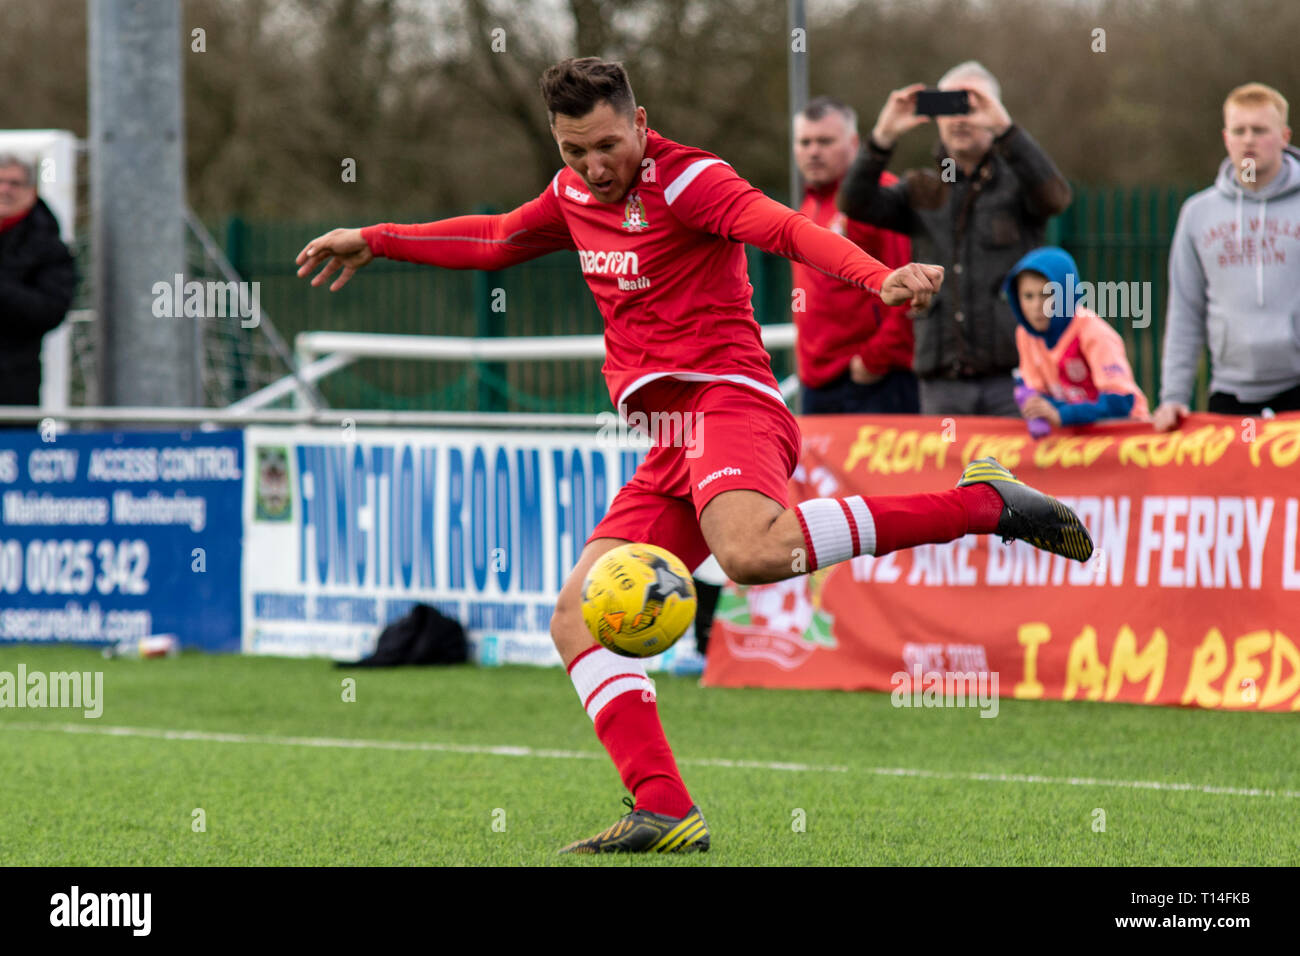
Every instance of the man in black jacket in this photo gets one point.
(37, 281)
(984, 206)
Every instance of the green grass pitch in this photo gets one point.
(286, 772)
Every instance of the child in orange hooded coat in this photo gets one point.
(1069, 355)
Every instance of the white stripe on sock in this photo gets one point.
(866, 524)
(619, 674)
(829, 529)
(624, 685)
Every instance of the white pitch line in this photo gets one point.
(1086, 782)
(511, 751)
(412, 745)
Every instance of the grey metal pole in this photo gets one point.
(798, 77)
(137, 177)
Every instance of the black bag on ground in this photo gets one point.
(425, 636)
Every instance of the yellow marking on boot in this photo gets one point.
(985, 473)
(685, 838)
(683, 825)
(989, 474)
(690, 836)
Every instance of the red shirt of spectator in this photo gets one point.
(836, 321)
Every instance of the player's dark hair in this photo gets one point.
(576, 86)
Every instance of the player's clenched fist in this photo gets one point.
(337, 249)
(914, 282)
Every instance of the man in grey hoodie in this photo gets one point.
(1234, 271)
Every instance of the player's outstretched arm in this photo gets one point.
(338, 249)
(719, 201)
(462, 242)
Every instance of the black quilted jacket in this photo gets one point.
(976, 227)
(37, 282)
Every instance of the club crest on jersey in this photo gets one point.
(634, 219)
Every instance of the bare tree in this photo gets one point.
(437, 107)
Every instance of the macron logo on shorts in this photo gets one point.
(720, 473)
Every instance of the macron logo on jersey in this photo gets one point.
(576, 194)
(608, 263)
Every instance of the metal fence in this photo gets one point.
(1117, 235)
(1123, 235)
(235, 360)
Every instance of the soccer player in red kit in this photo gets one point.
(659, 229)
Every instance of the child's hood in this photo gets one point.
(1059, 267)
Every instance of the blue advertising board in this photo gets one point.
(345, 530)
(106, 536)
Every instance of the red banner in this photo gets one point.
(1192, 597)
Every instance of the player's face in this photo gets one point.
(604, 148)
(1254, 137)
(1035, 300)
(16, 194)
(824, 148)
(962, 138)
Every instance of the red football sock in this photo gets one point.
(619, 698)
(837, 529)
(904, 521)
(630, 730)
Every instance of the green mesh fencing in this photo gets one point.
(1123, 236)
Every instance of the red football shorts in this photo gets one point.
(710, 437)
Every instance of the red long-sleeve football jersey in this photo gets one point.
(666, 264)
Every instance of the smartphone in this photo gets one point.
(942, 102)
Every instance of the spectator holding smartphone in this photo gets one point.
(1234, 271)
(984, 205)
